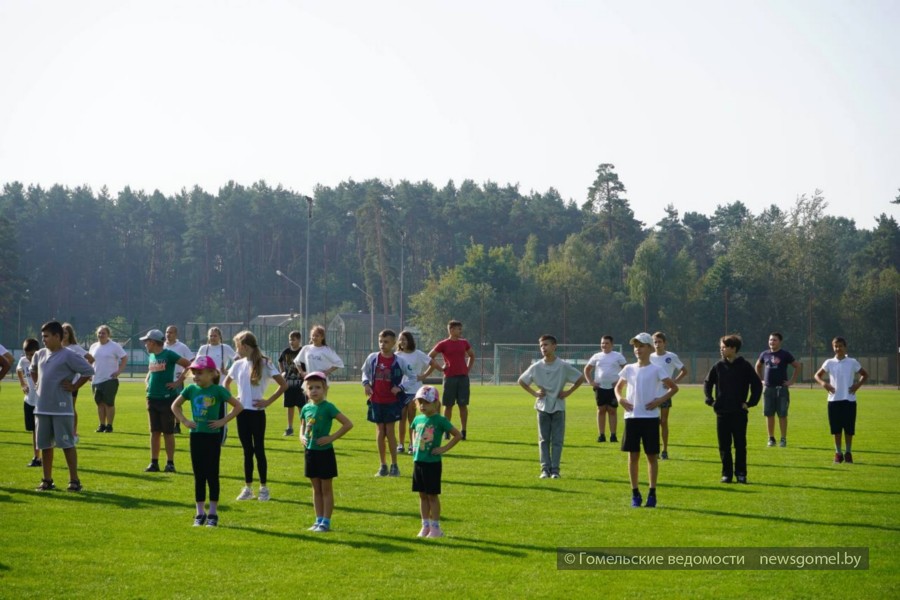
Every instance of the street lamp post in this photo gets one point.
(280, 273)
(402, 248)
(309, 203)
(371, 313)
(19, 325)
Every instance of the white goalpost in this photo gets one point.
(511, 360)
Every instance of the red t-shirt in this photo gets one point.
(381, 384)
(454, 353)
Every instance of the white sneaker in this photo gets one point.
(263, 493)
(314, 527)
(424, 531)
(246, 493)
(435, 532)
(544, 475)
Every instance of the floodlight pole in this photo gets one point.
(371, 313)
(309, 203)
(280, 273)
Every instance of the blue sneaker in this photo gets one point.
(636, 501)
(651, 502)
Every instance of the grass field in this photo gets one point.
(129, 534)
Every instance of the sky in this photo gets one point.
(696, 103)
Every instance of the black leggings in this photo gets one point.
(206, 448)
(251, 426)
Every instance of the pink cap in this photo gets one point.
(203, 362)
(428, 394)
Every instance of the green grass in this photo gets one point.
(129, 534)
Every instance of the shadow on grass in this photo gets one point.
(719, 487)
(138, 474)
(97, 497)
(4, 567)
(356, 510)
(789, 520)
(542, 488)
(333, 537)
(454, 455)
(453, 542)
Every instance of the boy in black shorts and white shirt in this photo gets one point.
(648, 387)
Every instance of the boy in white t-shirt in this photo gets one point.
(29, 388)
(648, 387)
(841, 386)
(676, 371)
(603, 370)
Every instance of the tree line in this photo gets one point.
(510, 265)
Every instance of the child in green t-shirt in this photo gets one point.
(428, 431)
(316, 437)
(208, 401)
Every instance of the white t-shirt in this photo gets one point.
(24, 367)
(106, 360)
(80, 352)
(222, 354)
(181, 349)
(668, 361)
(318, 358)
(644, 384)
(414, 364)
(841, 375)
(552, 377)
(607, 366)
(246, 391)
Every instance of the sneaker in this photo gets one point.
(848, 458)
(314, 527)
(612, 438)
(782, 443)
(109, 429)
(435, 532)
(424, 531)
(35, 462)
(601, 438)
(410, 451)
(651, 502)
(838, 457)
(246, 494)
(742, 479)
(212, 520)
(382, 471)
(771, 442)
(725, 479)
(289, 431)
(400, 449)
(74, 486)
(554, 475)
(170, 468)
(199, 520)
(395, 471)
(152, 468)
(664, 456)
(463, 433)
(100, 429)
(544, 475)
(263, 493)
(322, 528)
(636, 501)
(46, 485)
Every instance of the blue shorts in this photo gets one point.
(385, 413)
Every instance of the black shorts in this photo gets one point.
(842, 417)
(29, 416)
(427, 477)
(456, 390)
(385, 413)
(162, 419)
(605, 397)
(320, 464)
(638, 431)
(293, 395)
(105, 392)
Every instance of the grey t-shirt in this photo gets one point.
(53, 368)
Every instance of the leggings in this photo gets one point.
(251, 426)
(206, 448)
